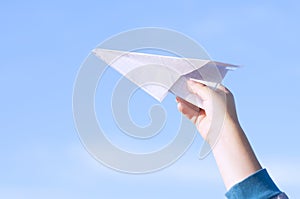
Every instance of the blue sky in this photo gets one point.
(43, 45)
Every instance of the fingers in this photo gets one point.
(199, 89)
(192, 106)
(203, 91)
(187, 111)
(222, 88)
(191, 111)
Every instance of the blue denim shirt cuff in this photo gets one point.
(257, 186)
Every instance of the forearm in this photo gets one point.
(234, 155)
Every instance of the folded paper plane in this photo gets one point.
(158, 74)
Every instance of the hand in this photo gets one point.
(233, 153)
(218, 103)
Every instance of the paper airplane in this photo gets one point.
(158, 75)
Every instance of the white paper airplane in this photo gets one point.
(158, 75)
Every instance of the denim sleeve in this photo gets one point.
(257, 186)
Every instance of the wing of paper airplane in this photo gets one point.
(158, 75)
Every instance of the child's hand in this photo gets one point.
(218, 104)
(218, 119)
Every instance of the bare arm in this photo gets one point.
(233, 153)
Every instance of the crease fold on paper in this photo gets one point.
(157, 74)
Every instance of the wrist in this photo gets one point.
(229, 129)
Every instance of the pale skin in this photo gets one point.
(232, 151)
